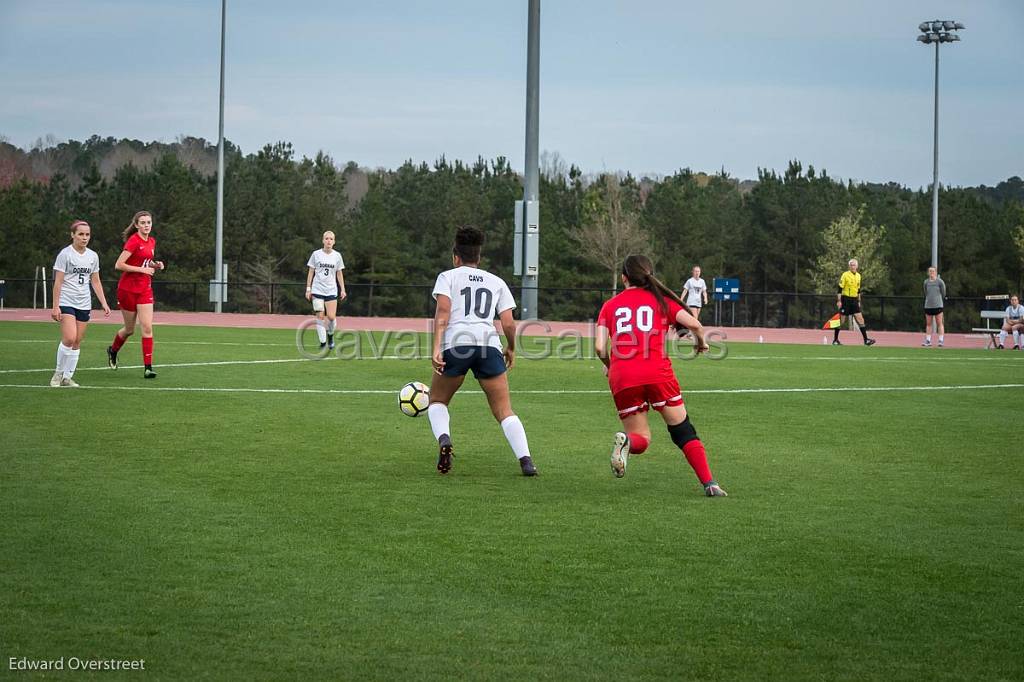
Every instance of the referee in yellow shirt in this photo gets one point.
(848, 300)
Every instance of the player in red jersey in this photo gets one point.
(135, 289)
(630, 340)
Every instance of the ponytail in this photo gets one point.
(639, 272)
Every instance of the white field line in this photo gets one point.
(369, 391)
(529, 354)
(180, 364)
(216, 363)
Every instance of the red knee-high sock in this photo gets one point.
(698, 459)
(637, 443)
(118, 342)
(147, 350)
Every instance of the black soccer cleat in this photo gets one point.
(111, 357)
(526, 464)
(869, 342)
(835, 342)
(149, 373)
(444, 454)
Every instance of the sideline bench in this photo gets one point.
(988, 316)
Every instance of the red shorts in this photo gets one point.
(637, 399)
(127, 300)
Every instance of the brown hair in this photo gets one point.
(468, 242)
(134, 226)
(639, 272)
(76, 223)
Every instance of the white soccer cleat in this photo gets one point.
(712, 489)
(927, 343)
(68, 382)
(55, 380)
(620, 454)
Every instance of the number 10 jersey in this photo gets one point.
(477, 297)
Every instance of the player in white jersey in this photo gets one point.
(1012, 323)
(325, 287)
(695, 292)
(468, 298)
(76, 268)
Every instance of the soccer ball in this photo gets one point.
(413, 399)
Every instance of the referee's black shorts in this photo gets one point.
(849, 306)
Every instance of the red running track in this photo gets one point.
(538, 328)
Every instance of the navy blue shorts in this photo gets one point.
(485, 361)
(80, 315)
(333, 297)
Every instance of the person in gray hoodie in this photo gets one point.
(934, 301)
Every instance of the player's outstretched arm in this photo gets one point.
(442, 313)
(122, 265)
(342, 294)
(684, 318)
(601, 344)
(58, 284)
(97, 286)
(508, 327)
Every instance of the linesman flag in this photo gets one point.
(834, 322)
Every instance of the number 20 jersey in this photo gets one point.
(637, 330)
(477, 296)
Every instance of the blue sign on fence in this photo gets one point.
(726, 289)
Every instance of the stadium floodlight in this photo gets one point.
(937, 32)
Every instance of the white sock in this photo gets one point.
(62, 357)
(71, 362)
(321, 333)
(940, 337)
(1002, 337)
(331, 326)
(440, 422)
(928, 338)
(516, 435)
(1016, 337)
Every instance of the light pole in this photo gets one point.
(937, 32)
(527, 221)
(219, 287)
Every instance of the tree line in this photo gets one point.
(790, 231)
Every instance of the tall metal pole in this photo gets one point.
(531, 187)
(935, 170)
(218, 266)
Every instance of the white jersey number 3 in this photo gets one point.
(624, 319)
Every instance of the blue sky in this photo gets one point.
(648, 87)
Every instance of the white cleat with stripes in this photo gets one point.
(712, 489)
(620, 454)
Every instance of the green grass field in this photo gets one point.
(285, 521)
